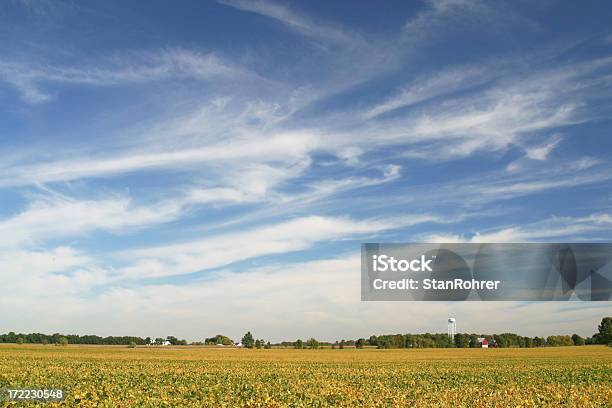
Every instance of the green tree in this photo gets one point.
(132, 344)
(258, 343)
(268, 345)
(473, 341)
(312, 343)
(578, 341)
(556, 341)
(247, 340)
(462, 340)
(63, 341)
(604, 335)
(299, 344)
(20, 340)
(219, 339)
(360, 343)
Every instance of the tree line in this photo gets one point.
(427, 340)
(463, 340)
(57, 338)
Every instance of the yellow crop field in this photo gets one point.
(191, 377)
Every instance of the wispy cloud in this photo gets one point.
(507, 190)
(288, 146)
(294, 21)
(541, 152)
(436, 12)
(294, 235)
(19, 263)
(509, 111)
(50, 217)
(492, 120)
(439, 17)
(329, 187)
(430, 86)
(555, 228)
(30, 78)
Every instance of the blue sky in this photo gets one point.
(212, 167)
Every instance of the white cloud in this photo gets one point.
(541, 152)
(495, 187)
(16, 264)
(440, 17)
(220, 195)
(510, 189)
(172, 63)
(513, 109)
(328, 187)
(53, 217)
(227, 137)
(347, 57)
(258, 183)
(437, 12)
(294, 21)
(44, 275)
(489, 122)
(219, 250)
(555, 228)
(281, 146)
(426, 87)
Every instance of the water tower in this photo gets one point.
(452, 328)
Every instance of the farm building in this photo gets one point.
(483, 343)
(159, 342)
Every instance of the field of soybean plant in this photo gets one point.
(98, 376)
